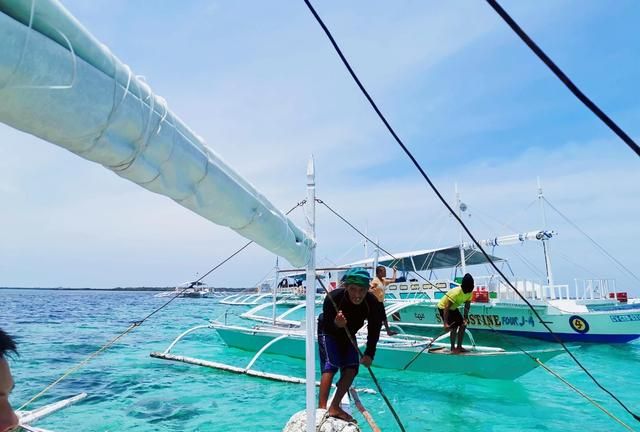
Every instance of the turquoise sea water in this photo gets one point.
(130, 391)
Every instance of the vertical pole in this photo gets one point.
(366, 242)
(274, 293)
(459, 209)
(310, 316)
(376, 258)
(545, 245)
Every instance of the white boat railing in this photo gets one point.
(583, 290)
(588, 289)
(593, 289)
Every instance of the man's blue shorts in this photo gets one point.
(334, 356)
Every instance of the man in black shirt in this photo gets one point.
(343, 314)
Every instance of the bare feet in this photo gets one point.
(342, 415)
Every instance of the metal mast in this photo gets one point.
(310, 317)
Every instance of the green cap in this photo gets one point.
(357, 276)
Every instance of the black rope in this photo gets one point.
(502, 336)
(453, 213)
(319, 201)
(504, 277)
(355, 345)
(424, 349)
(564, 78)
(511, 342)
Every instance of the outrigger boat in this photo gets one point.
(586, 317)
(260, 298)
(593, 311)
(190, 290)
(401, 352)
(415, 353)
(289, 289)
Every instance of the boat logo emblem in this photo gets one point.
(579, 324)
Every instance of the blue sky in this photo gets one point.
(260, 83)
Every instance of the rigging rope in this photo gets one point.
(425, 349)
(581, 393)
(138, 323)
(446, 204)
(355, 345)
(559, 377)
(564, 78)
(602, 249)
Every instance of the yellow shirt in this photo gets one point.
(378, 289)
(456, 296)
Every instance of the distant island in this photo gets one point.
(221, 289)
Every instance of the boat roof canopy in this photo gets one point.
(433, 259)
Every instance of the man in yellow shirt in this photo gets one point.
(451, 317)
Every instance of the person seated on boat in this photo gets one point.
(379, 288)
(451, 317)
(8, 419)
(343, 313)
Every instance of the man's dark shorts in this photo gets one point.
(334, 356)
(454, 318)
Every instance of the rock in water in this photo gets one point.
(324, 423)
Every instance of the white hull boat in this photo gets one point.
(418, 354)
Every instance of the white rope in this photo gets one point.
(74, 60)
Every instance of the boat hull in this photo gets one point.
(492, 364)
(253, 341)
(610, 326)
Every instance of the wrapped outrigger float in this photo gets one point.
(27, 417)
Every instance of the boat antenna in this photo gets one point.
(545, 238)
(448, 207)
(366, 242)
(461, 207)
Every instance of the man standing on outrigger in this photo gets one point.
(451, 317)
(343, 313)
